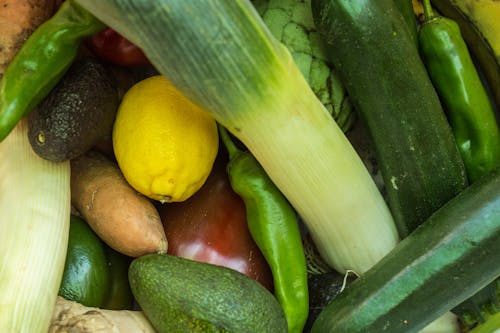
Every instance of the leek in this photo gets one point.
(447, 323)
(222, 56)
(35, 208)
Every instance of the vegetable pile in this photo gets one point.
(250, 166)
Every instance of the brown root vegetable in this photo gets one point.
(124, 219)
(69, 316)
(18, 20)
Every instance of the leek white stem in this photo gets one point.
(34, 224)
(447, 323)
(221, 55)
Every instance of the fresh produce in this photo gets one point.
(94, 274)
(76, 114)
(86, 278)
(251, 85)
(480, 27)
(405, 7)
(69, 316)
(358, 137)
(274, 226)
(447, 323)
(472, 117)
(35, 206)
(112, 47)
(230, 62)
(201, 297)
(211, 226)
(125, 220)
(291, 23)
(467, 104)
(165, 145)
(478, 308)
(443, 262)
(413, 142)
(18, 21)
(120, 296)
(42, 61)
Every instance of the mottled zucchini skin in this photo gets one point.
(77, 113)
(370, 46)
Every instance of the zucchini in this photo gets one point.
(406, 9)
(371, 47)
(443, 262)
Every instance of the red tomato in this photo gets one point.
(113, 47)
(211, 227)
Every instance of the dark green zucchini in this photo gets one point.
(371, 48)
(406, 9)
(443, 262)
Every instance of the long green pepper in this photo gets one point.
(42, 61)
(274, 227)
(462, 93)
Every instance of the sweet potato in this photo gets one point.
(73, 317)
(18, 20)
(124, 219)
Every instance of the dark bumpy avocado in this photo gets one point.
(77, 113)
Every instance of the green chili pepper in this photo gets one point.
(42, 61)
(465, 99)
(274, 226)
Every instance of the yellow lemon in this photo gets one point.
(164, 144)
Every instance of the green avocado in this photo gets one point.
(182, 295)
(78, 112)
(86, 278)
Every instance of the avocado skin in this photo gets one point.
(182, 295)
(77, 113)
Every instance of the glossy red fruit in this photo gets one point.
(211, 227)
(109, 45)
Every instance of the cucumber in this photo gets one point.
(371, 48)
(183, 295)
(443, 262)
